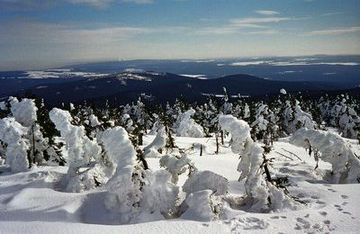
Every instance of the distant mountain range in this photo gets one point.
(127, 86)
(194, 80)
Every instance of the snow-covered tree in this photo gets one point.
(135, 194)
(81, 151)
(333, 149)
(293, 117)
(12, 135)
(265, 124)
(262, 193)
(157, 145)
(187, 127)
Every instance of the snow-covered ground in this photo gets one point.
(31, 202)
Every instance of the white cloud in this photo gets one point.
(334, 31)
(267, 12)
(244, 26)
(256, 22)
(263, 32)
(332, 14)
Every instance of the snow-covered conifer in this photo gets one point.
(187, 127)
(13, 134)
(152, 150)
(333, 149)
(81, 150)
(294, 117)
(261, 193)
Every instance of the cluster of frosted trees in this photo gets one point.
(103, 148)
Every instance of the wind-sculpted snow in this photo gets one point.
(334, 150)
(12, 134)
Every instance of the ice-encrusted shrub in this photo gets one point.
(333, 149)
(262, 194)
(187, 127)
(12, 134)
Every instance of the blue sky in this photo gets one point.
(45, 33)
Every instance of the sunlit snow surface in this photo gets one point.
(30, 202)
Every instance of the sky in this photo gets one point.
(47, 33)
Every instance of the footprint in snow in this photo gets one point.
(302, 224)
(327, 222)
(323, 213)
(248, 223)
(332, 190)
(344, 197)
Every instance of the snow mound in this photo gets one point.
(206, 180)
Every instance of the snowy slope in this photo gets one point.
(30, 202)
